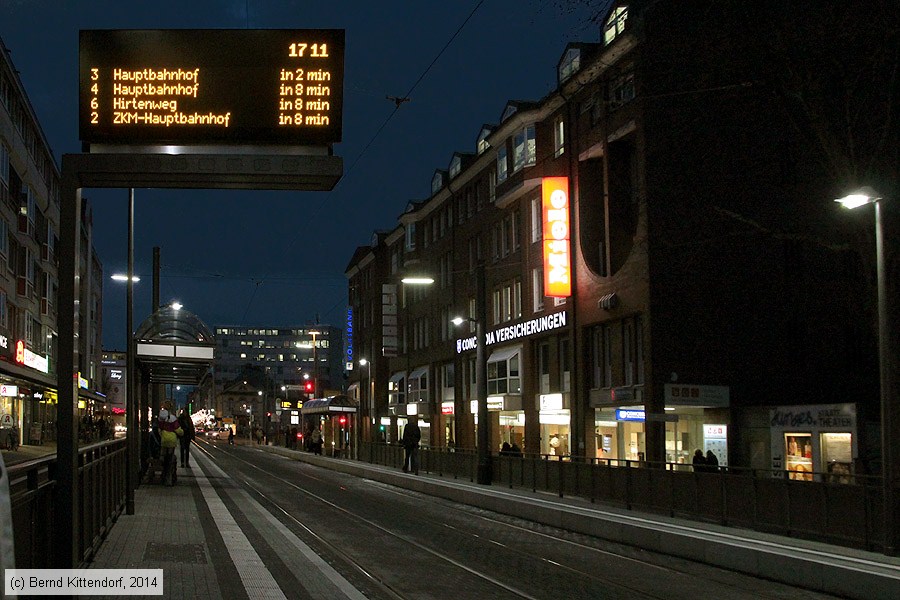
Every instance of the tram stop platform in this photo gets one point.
(183, 529)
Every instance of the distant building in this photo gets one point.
(285, 357)
(29, 236)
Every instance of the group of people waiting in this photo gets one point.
(705, 464)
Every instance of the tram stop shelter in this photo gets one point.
(336, 415)
(172, 346)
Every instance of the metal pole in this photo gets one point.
(131, 464)
(156, 388)
(887, 442)
(485, 471)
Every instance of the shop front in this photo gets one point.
(555, 420)
(814, 442)
(696, 418)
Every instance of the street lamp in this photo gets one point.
(485, 470)
(862, 197)
(370, 408)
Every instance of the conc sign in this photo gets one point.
(555, 210)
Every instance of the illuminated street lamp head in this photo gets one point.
(177, 305)
(259, 393)
(861, 197)
(123, 277)
(457, 320)
(363, 362)
(418, 280)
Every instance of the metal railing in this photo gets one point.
(846, 511)
(101, 498)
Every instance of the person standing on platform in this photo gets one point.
(187, 426)
(699, 461)
(712, 461)
(412, 435)
(169, 432)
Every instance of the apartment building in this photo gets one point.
(663, 267)
(29, 235)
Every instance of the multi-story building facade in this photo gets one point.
(29, 233)
(306, 361)
(711, 287)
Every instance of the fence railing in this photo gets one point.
(33, 495)
(845, 511)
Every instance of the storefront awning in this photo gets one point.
(504, 354)
(418, 372)
(332, 404)
(397, 376)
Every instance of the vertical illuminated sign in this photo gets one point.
(555, 211)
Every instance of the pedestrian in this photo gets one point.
(169, 432)
(411, 437)
(231, 436)
(505, 449)
(712, 462)
(187, 426)
(514, 450)
(699, 461)
(315, 440)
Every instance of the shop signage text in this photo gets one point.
(623, 414)
(834, 416)
(26, 357)
(514, 332)
(349, 338)
(555, 210)
(9, 390)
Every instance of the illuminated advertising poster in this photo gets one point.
(223, 86)
(555, 211)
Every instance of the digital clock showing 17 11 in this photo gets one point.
(202, 87)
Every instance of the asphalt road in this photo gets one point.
(394, 543)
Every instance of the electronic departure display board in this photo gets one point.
(211, 86)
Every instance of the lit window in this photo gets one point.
(615, 24)
(524, 150)
(455, 167)
(503, 374)
(559, 136)
(537, 287)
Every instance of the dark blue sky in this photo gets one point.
(277, 258)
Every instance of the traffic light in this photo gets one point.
(309, 387)
(343, 420)
(381, 427)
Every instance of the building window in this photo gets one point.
(4, 165)
(537, 220)
(570, 64)
(472, 316)
(448, 382)
(628, 351)
(503, 373)
(524, 150)
(437, 182)
(4, 314)
(565, 364)
(517, 299)
(395, 388)
(455, 166)
(639, 350)
(615, 24)
(418, 385)
(411, 236)
(600, 352)
(620, 90)
(496, 306)
(4, 239)
(544, 368)
(537, 287)
(502, 166)
(559, 136)
(515, 225)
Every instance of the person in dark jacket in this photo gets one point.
(412, 435)
(712, 462)
(187, 426)
(699, 461)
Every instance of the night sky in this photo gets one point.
(277, 258)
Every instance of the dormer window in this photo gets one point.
(437, 182)
(615, 24)
(571, 62)
(509, 111)
(455, 166)
(482, 143)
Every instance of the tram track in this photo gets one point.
(593, 576)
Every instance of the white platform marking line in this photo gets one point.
(327, 570)
(255, 576)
